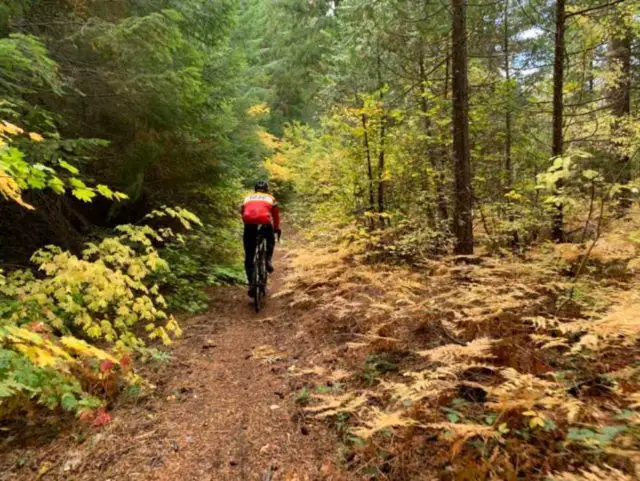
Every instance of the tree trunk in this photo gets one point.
(447, 72)
(508, 166)
(367, 150)
(381, 146)
(558, 85)
(508, 139)
(620, 55)
(381, 166)
(462, 218)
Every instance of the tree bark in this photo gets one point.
(447, 72)
(558, 85)
(462, 219)
(381, 143)
(381, 165)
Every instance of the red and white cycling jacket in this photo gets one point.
(261, 208)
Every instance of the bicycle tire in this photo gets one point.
(259, 275)
(257, 296)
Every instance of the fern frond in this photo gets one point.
(334, 404)
(380, 420)
(548, 342)
(314, 371)
(594, 473)
(465, 431)
(476, 349)
(621, 326)
(526, 392)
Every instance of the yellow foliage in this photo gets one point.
(276, 167)
(258, 110)
(103, 292)
(84, 349)
(270, 141)
(10, 190)
(36, 137)
(10, 129)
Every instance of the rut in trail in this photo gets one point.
(224, 409)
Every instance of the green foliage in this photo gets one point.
(596, 438)
(162, 83)
(208, 258)
(26, 66)
(303, 397)
(47, 370)
(376, 365)
(18, 174)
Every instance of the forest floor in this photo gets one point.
(224, 408)
(486, 367)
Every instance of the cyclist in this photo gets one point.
(259, 208)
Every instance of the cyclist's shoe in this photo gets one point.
(252, 292)
(269, 267)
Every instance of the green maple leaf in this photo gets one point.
(84, 194)
(67, 166)
(104, 191)
(56, 185)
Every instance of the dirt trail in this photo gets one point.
(224, 409)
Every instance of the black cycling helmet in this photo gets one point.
(262, 186)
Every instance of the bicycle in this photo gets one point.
(260, 275)
(259, 281)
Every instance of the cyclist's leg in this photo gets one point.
(249, 241)
(271, 244)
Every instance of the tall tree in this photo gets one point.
(462, 220)
(508, 161)
(557, 148)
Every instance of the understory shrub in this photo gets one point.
(209, 257)
(68, 331)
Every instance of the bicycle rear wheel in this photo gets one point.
(260, 276)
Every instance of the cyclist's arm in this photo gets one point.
(275, 214)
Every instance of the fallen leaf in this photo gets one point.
(102, 418)
(44, 469)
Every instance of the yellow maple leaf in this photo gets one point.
(9, 128)
(10, 190)
(82, 348)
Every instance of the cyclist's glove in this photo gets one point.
(278, 232)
